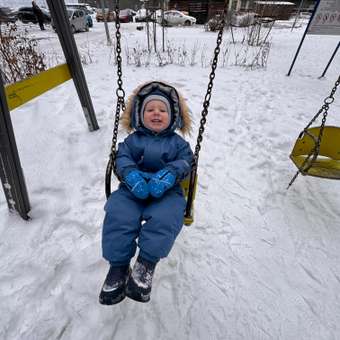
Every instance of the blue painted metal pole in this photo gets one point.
(303, 38)
(330, 60)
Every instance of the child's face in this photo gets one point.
(156, 116)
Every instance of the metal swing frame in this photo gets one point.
(189, 184)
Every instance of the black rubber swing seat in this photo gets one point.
(327, 163)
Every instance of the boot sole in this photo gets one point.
(109, 301)
(137, 297)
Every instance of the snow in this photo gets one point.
(259, 262)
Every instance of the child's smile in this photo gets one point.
(156, 116)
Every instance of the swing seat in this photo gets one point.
(327, 164)
(185, 184)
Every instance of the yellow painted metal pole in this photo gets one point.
(23, 91)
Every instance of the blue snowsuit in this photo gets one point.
(155, 222)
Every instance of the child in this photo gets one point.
(149, 203)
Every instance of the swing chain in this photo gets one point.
(120, 93)
(327, 101)
(207, 97)
(325, 107)
(315, 151)
(204, 113)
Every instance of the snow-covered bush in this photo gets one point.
(232, 54)
(252, 57)
(19, 55)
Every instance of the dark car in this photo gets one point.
(26, 15)
(7, 15)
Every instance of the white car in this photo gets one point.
(174, 17)
(141, 15)
(85, 7)
(78, 21)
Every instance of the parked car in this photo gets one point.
(109, 15)
(126, 15)
(78, 21)
(173, 18)
(26, 15)
(7, 15)
(87, 9)
(142, 17)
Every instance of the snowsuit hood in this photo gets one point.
(180, 115)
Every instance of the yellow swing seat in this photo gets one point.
(185, 184)
(327, 163)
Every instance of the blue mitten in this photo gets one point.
(137, 184)
(160, 182)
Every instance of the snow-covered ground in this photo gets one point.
(259, 262)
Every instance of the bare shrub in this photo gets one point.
(113, 54)
(236, 54)
(225, 54)
(162, 60)
(251, 57)
(182, 55)
(86, 55)
(128, 55)
(263, 55)
(137, 57)
(193, 55)
(170, 52)
(259, 31)
(54, 58)
(19, 55)
(203, 56)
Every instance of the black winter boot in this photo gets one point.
(140, 281)
(113, 290)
